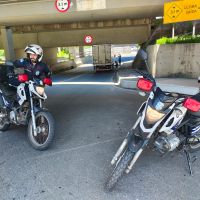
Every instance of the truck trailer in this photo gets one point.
(102, 59)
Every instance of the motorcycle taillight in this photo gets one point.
(144, 84)
(192, 104)
(47, 81)
(22, 78)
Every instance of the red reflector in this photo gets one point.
(144, 84)
(192, 104)
(47, 81)
(23, 78)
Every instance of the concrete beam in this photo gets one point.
(123, 35)
(80, 25)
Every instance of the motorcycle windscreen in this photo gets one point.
(161, 101)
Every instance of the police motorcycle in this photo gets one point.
(24, 106)
(166, 122)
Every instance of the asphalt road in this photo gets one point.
(92, 117)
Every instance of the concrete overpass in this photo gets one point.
(108, 21)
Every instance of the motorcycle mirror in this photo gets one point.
(9, 63)
(143, 94)
(19, 71)
(143, 54)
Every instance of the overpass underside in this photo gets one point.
(103, 32)
(107, 21)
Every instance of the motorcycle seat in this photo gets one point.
(196, 114)
(169, 99)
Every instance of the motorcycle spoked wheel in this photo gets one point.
(119, 169)
(4, 123)
(46, 126)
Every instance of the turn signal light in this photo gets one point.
(144, 84)
(192, 104)
(47, 81)
(22, 78)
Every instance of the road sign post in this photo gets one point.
(62, 5)
(180, 11)
(173, 30)
(88, 39)
(193, 28)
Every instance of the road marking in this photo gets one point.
(71, 78)
(76, 148)
(84, 83)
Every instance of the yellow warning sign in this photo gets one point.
(180, 11)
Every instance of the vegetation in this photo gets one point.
(63, 52)
(179, 39)
(2, 55)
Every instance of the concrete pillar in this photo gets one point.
(81, 51)
(7, 38)
(72, 53)
(19, 53)
(50, 56)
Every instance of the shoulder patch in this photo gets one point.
(21, 60)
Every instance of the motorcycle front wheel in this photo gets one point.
(119, 169)
(45, 126)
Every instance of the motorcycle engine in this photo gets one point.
(13, 116)
(167, 143)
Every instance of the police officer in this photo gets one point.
(32, 64)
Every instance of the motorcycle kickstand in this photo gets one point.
(189, 162)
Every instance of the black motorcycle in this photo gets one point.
(166, 122)
(24, 106)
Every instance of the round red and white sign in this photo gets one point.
(88, 39)
(62, 5)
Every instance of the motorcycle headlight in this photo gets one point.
(40, 90)
(152, 116)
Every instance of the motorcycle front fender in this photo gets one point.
(38, 109)
(135, 143)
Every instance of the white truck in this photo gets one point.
(102, 59)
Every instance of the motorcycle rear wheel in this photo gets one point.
(119, 169)
(46, 126)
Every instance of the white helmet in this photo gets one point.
(34, 49)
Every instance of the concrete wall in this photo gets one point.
(179, 60)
